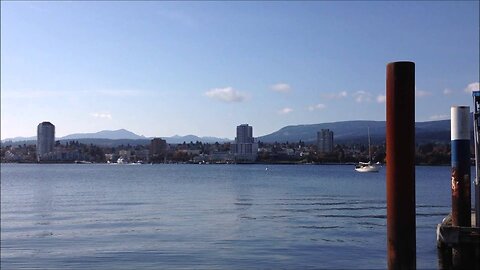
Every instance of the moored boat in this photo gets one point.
(122, 160)
(367, 167)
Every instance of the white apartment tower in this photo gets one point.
(325, 141)
(244, 148)
(45, 140)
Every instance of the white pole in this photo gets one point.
(476, 118)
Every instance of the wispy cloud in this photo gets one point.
(474, 86)
(342, 94)
(281, 87)
(285, 111)
(381, 98)
(177, 16)
(39, 94)
(227, 94)
(33, 94)
(118, 93)
(102, 115)
(319, 106)
(36, 7)
(447, 91)
(439, 117)
(362, 96)
(422, 93)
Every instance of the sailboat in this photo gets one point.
(368, 166)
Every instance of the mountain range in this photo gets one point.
(118, 137)
(345, 132)
(348, 132)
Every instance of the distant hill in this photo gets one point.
(170, 140)
(192, 138)
(106, 134)
(348, 132)
(110, 142)
(116, 137)
(21, 139)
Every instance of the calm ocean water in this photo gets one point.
(206, 216)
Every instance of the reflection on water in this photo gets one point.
(192, 216)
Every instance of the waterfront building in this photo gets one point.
(142, 155)
(126, 154)
(158, 149)
(111, 157)
(245, 149)
(325, 141)
(45, 140)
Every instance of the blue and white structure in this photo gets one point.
(460, 152)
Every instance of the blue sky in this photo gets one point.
(166, 68)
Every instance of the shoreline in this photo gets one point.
(192, 163)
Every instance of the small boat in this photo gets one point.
(138, 162)
(82, 162)
(122, 160)
(368, 166)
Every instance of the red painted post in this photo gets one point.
(401, 236)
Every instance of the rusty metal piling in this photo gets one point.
(401, 236)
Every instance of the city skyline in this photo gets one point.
(177, 68)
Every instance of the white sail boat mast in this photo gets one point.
(368, 166)
(369, 147)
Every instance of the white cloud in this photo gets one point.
(227, 94)
(319, 106)
(38, 94)
(362, 96)
(475, 86)
(381, 98)
(447, 91)
(281, 87)
(285, 111)
(33, 94)
(421, 93)
(118, 93)
(342, 94)
(439, 117)
(102, 115)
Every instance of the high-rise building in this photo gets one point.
(325, 141)
(158, 149)
(158, 146)
(245, 149)
(45, 140)
(244, 134)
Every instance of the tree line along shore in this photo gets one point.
(219, 153)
